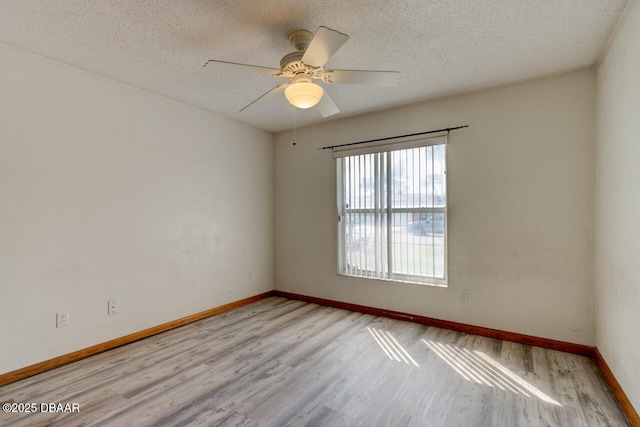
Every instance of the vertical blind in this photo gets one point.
(392, 211)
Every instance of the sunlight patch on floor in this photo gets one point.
(391, 346)
(477, 366)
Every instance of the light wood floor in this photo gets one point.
(281, 362)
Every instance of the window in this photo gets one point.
(392, 211)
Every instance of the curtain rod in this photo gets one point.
(331, 147)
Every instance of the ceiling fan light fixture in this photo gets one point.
(303, 94)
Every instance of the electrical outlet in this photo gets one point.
(464, 295)
(113, 306)
(62, 319)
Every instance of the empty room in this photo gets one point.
(364, 213)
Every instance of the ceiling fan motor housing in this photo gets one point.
(292, 63)
(291, 66)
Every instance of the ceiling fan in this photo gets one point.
(307, 64)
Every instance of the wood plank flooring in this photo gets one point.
(280, 362)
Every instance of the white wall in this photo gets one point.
(618, 205)
(111, 192)
(521, 209)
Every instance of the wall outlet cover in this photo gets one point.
(113, 307)
(62, 319)
(464, 295)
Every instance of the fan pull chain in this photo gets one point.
(294, 126)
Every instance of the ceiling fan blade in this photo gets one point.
(326, 107)
(324, 44)
(362, 77)
(266, 97)
(243, 68)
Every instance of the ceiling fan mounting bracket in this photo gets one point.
(300, 39)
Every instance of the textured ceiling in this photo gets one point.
(441, 47)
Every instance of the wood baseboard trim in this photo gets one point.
(592, 352)
(567, 347)
(56, 362)
(623, 400)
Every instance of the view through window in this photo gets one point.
(393, 214)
